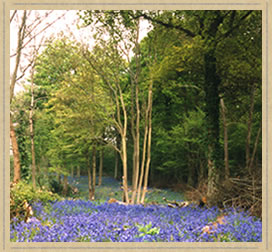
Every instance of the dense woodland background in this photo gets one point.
(179, 109)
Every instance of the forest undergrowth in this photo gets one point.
(76, 219)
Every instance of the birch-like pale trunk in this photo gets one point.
(143, 158)
(121, 125)
(136, 139)
(149, 141)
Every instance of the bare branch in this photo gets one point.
(21, 35)
(12, 16)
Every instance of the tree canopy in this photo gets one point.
(181, 106)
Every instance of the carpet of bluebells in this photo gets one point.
(80, 220)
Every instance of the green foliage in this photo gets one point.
(147, 230)
(182, 148)
(23, 192)
(20, 116)
(193, 58)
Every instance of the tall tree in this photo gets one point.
(81, 110)
(123, 30)
(16, 156)
(211, 27)
(28, 30)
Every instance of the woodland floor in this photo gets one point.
(80, 220)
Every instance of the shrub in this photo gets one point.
(22, 193)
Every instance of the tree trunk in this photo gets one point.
(78, 171)
(201, 170)
(136, 130)
(226, 152)
(15, 149)
(212, 176)
(89, 177)
(100, 167)
(255, 149)
(94, 170)
(116, 164)
(212, 82)
(149, 141)
(32, 131)
(16, 156)
(137, 147)
(191, 174)
(143, 163)
(123, 132)
(124, 161)
(65, 185)
(20, 39)
(140, 184)
(249, 130)
(133, 134)
(72, 171)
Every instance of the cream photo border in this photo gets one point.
(265, 6)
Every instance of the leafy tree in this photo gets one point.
(123, 32)
(81, 111)
(28, 27)
(210, 28)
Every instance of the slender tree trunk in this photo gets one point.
(78, 171)
(138, 114)
(100, 167)
(137, 147)
(94, 171)
(249, 130)
(116, 164)
(39, 170)
(16, 156)
(90, 184)
(254, 150)
(72, 171)
(212, 175)
(32, 131)
(121, 124)
(140, 184)
(124, 161)
(133, 134)
(15, 149)
(191, 170)
(226, 152)
(123, 132)
(201, 170)
(20, 40)
(59, 175)
(149, 141)
(65, 185)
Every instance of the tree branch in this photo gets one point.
(167, 25)
(13, 15)
(226, 34)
